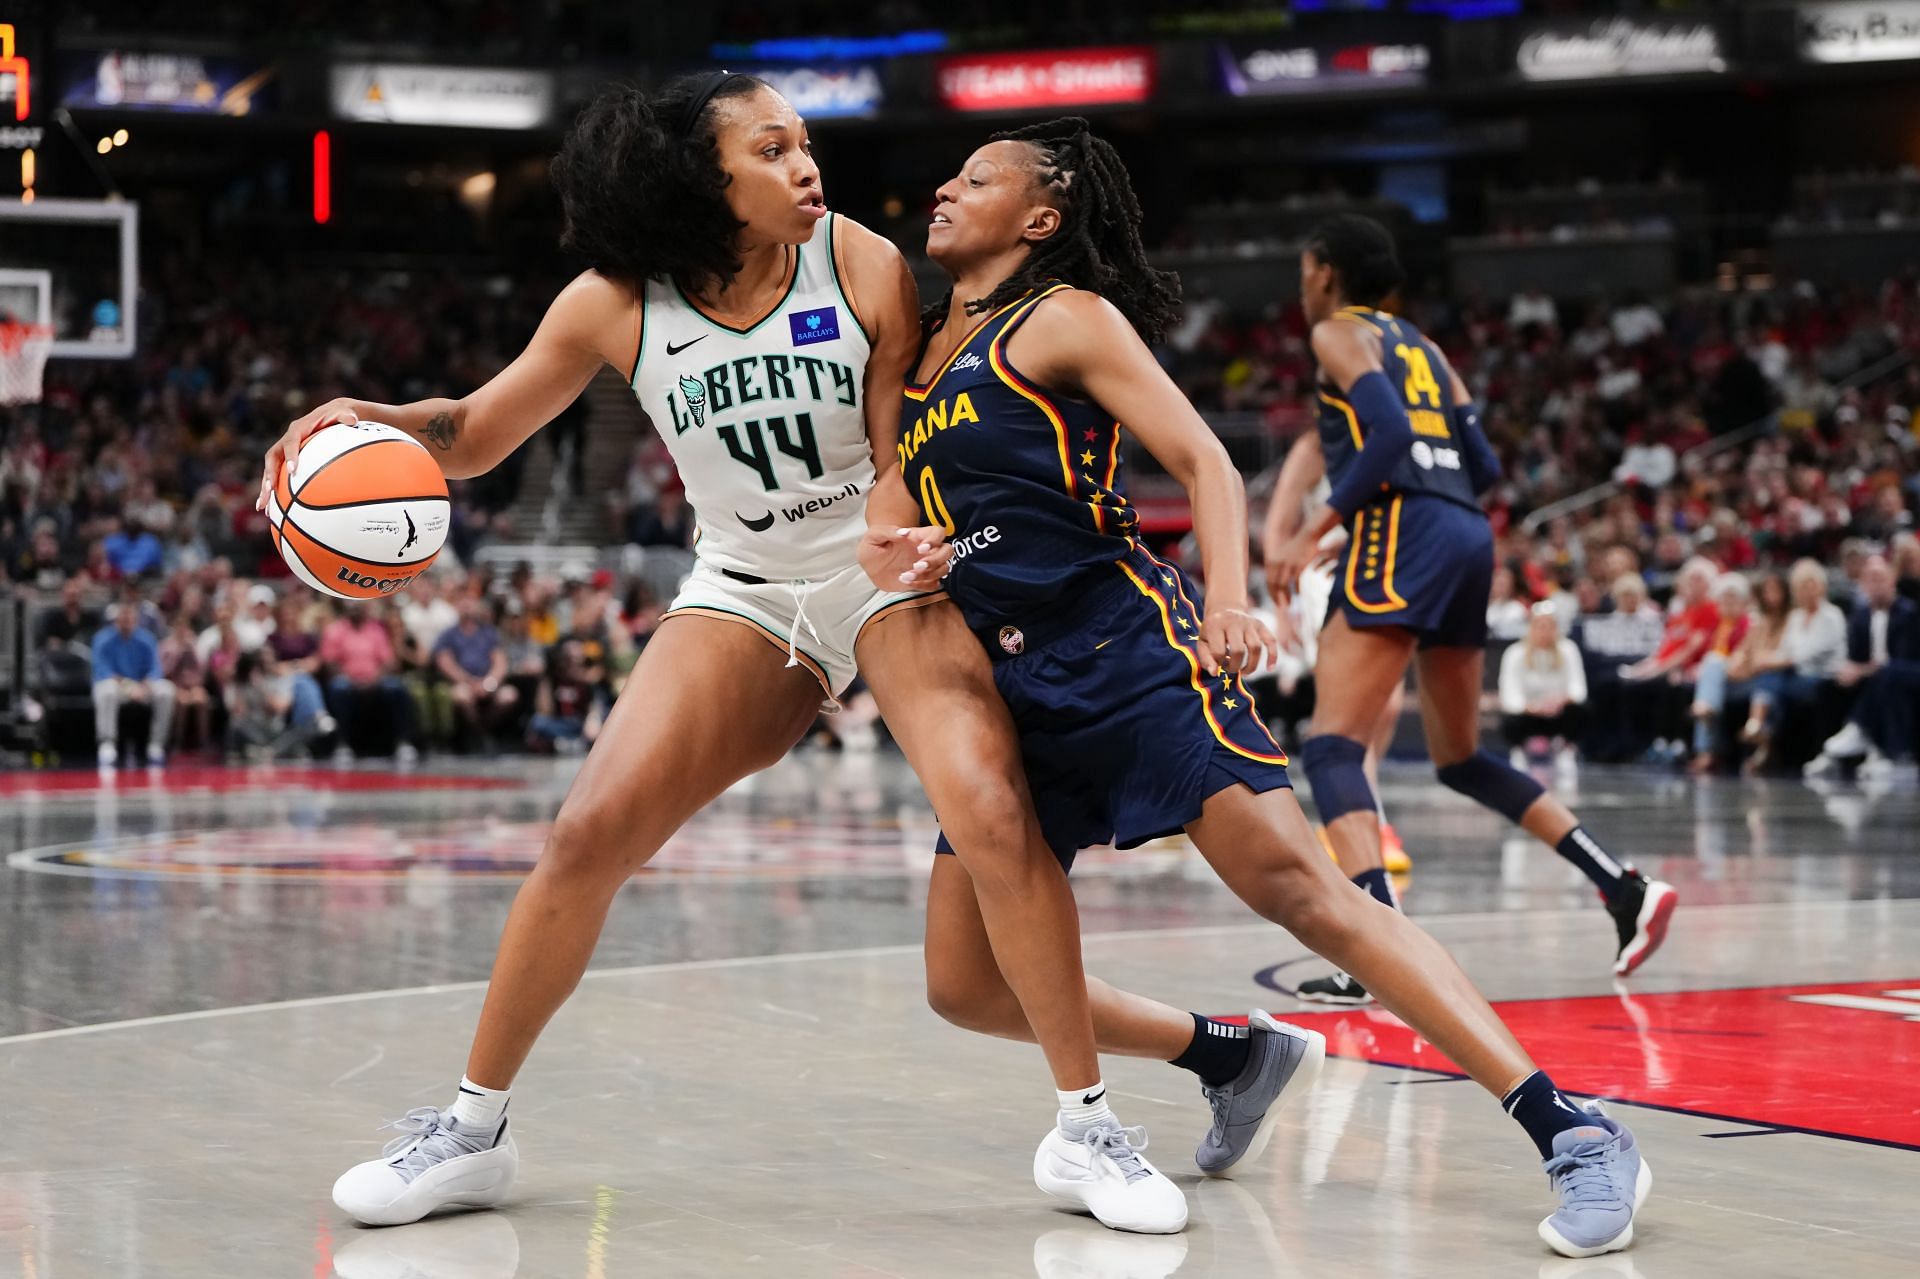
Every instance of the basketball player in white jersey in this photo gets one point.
(769, 341)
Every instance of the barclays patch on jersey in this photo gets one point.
(822, 325)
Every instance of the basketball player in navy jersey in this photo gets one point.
(1122, 681)
(1402, 445)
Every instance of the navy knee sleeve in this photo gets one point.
(1336, 769)
(1491, 781)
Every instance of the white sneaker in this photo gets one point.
(156, 756)
(407, 754)
(109, 754)
(1566, 760)
(433, 1164)
(343, 754)
(1821, 765)
(1876, 766)
(1104, 1172)
(1848, 743)
(1517, 757)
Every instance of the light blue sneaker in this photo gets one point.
(1601, 1179)
(1283, 1060)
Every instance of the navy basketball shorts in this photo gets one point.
(1421, 563)
(1122, 732)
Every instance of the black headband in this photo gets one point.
(709, 85)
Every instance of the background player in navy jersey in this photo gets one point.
(1403, 447)
(1133, 720)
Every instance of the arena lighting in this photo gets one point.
(322, 177)
(22, 97)
(119, 137)
(104, 145)
(835, 48)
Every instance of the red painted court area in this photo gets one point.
(221, 780)
(1834, 1059)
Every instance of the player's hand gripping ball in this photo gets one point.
(363, 512)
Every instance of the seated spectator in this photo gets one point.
(1692, 621)
(526, 657)
(1745, 643)
(1543, 691)
(73, 620)
(193, 706)
(273, 712)
(1506, 611)
(669, 523)
(1812, 648)
(568, 709)
(294, 641)
(126, 668)
(254, 624)
(133, 551)
(366, 670)
(428, 613)
(1620, 725)
(1883, 661)
(471, 659)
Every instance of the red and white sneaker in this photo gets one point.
(1644, 908)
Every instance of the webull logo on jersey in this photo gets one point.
(814, 505)
(753, 378)
(937, 418)
(1426, 456)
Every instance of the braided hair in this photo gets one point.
(1097, 246)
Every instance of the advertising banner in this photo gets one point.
(124, 79)
(1608, 47)
(827, 90)
(466, 97)
(1047, 78)
(1859, 31)
(1252, 69)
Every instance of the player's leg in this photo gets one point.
(709, 703)
(1358, 669)
(936, 690)
(1393, 854)
(1264, 851)
(1247, 1071)
(1450, 708)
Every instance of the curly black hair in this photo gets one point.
(1097, 246)
(645, 198)
(1361, 250)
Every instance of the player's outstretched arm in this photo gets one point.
(1080, 342)
(592, 322)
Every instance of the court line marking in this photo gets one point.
(815, 956)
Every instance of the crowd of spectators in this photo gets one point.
(1742, 434)
(224, 667)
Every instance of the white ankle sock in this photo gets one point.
(1082, 1108)
(479, 1108)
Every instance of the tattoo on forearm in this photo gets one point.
(441, 431)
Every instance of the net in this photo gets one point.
(23, 361)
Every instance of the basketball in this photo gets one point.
(363, 512)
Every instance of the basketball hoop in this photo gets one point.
(23, 361)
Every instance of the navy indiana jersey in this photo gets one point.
(1026, 482)
(1435, 465)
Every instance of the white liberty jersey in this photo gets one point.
(766, 423)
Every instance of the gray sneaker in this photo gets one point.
(1282, 1062)
(1602, 1181)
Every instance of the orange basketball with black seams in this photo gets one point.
(363, 512)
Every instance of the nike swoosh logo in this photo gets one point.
(760, 525)
(1092, 1097)
(675, 350)
(1102, 644)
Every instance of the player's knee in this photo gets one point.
(961, 1001)
(1336, 769)
(1492, 782)
(584, 845)
(991, 827)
